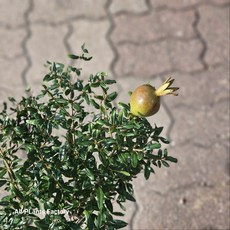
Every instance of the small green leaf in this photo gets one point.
(99, 97)
(29, 147)
(123, 172)
(19, 130)
(165, 163)
(76, 70)
(153, 146)
(128, 196)
(4, 203)
(109, 205)
(99, 219)
(100, 198)
(118, 224)
(118, 213)
(95, 84)
(165, 152)
(11, 99)
(172, 159)
(158, 130)
(159, 153)
(89, 173)
(164, 140)
(84, 49)
(86, 58)
(147, 172)
(61, 101)
(2, 172)
(58, 197)
(123, 105)
(22, 180)
(47, 78)
(86, 97)
(2, 182)
(67, 92)
(77, 106)
(134, 159)
(108, 104)
(159, 164)
(94, 103)
(109, 82)
(111, 96)
(72, 56)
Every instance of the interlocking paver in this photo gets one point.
(214, 27)
(202, 99)
(158, 32)
(185, 55)
(129, 6)
(221, 2)
(142, 61)
(12, 63)
(177, 24)
(59, 11)
(11, 41)
(153, 26)
(137, 29)
(175, 4)
(184, 208)
(204, 147)
(12, 14)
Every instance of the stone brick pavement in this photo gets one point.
(139, 41)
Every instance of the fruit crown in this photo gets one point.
(165, 88)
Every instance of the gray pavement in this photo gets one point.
(136, 42)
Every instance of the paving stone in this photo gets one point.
(194, 207)
(138, 29)
(204, 106)
(142, 61)
(177, 24)
(214, 28)
(12, 63)
(93, 34)
(129, 6)
(175, 4)
(185, 55)
(200, 134)
(11, 43)
(58, 11)
(221, 2)
(154, 26)
(46, 44)
(12, 12)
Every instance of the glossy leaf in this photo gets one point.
(100, 198)
(117, 224)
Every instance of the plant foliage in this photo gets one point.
(82, 153)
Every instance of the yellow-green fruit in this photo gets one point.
(144, 101)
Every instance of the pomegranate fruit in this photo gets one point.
(145, 99)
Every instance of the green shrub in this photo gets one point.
(82, 153)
